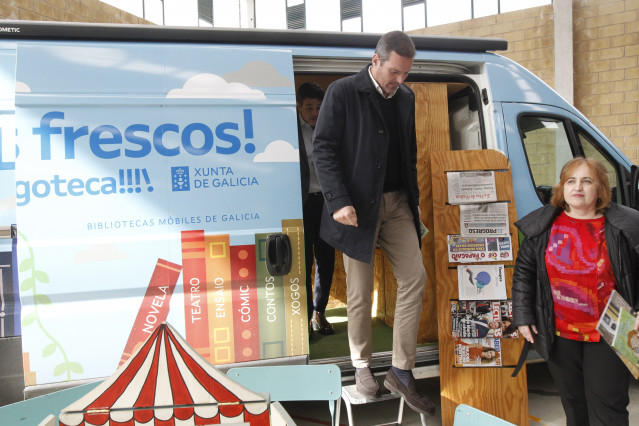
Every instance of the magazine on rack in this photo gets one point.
(616, 326)
(485, 352)
(481, 282)
(482, 318)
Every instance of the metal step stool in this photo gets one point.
(351, 397)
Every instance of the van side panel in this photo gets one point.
(154, 165)
(510, 82)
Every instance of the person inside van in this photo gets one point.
(365, 154)
(309, 100)
(576, 250)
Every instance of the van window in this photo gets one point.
(547, 142)
(547, 148)
(589, 149)
(463, 113)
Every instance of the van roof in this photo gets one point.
(37, 30)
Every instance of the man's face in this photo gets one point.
(309, 110)
(390, 74)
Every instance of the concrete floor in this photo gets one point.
(544, 405)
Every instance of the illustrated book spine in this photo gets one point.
(196, 315)
(246, 326)
(270, 299)
(154, 308)
(295, 291)
(218, 281)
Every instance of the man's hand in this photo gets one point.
(346, 216)
(525, 331)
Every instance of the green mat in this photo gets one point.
(336, 345)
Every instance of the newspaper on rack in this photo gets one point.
(478, 249)
(616, 326)
(484, 220)
(471, 187)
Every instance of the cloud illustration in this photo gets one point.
(259, 74)
(9, 203)
(99, 253)
(212, 86)
(22, 87)
(278, 152)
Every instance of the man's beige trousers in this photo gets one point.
(396, 235)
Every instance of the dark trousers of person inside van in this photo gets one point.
(592, 381)
(321, 252)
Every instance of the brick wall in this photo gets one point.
(529, 34)
(66, 11)
(605, 54)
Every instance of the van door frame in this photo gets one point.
(423, 72)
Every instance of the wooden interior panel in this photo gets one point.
(431, 123)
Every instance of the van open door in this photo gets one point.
(634, 187)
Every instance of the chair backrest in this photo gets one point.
(295, 383)
(465, 415)
(292, 382)
(33, 411)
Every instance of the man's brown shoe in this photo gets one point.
(365, 382)
(415, 400)
(321, 324)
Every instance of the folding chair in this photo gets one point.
(35, 410)
(295, 383)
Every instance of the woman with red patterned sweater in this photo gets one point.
(575, 252)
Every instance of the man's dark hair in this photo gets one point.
(309, 90)
(395, 41)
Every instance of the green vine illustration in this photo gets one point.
(30, 284)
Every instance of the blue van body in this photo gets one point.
(125, 149)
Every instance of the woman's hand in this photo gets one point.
(525, 331)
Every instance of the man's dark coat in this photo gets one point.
(350, 149)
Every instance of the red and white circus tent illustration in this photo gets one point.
(166, 382)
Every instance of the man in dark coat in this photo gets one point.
(309, 100)
(365, 155)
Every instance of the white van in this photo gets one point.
(151, 174)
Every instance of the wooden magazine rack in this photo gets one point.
(490, 389)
